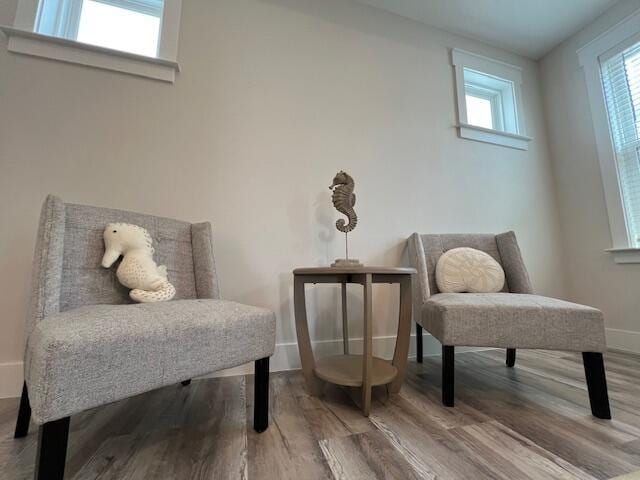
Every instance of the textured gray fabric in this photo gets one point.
(47, 262)
(420, 292)
(512, 263)
(513, 321)
(92, 355)
(203, 261)
(87, 346)
(86, 282)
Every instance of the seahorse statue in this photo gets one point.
(137, 270)
(344, 200)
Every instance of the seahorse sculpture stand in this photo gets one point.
(344, 200)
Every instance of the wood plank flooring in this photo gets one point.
(529, 422)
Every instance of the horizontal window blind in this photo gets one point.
(621, 84)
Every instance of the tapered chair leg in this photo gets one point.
(418, 343)
(511, 357)
(448, 368)
(186, 382)
(261, 396)
(24, 414)
(52, 450)
(596, 384)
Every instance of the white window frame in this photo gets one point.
(23, 39)
(617, 38)
(462, 59)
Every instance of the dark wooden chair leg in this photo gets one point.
(261, 396)
(186, 382)
(418, 343)
(596, 384)
(52, 450)
(24, 414)
(511, 357)
(448, 368)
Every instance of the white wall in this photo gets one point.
(593, 277)
(275, 96)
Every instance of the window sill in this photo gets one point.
(496, 137)
(625, 255)
(65, 50)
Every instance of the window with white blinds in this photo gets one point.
(621, 84)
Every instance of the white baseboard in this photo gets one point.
(11, 378)
(286, 354)
(285, 357)
(624, 340)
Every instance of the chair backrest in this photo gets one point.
(67, 271)
(425, 251)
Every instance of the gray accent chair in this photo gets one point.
(511, 319)
(88, 344)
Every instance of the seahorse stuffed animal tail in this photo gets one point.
(344, 200)
(137, 270)
(165, 291)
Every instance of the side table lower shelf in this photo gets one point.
(347, 370)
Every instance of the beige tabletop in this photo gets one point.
(363, 371)
(353, 270)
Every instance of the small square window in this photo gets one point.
(131, 26)
(489, 100)
(139, 37)
(498, 97)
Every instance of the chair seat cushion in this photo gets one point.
(92, 355)
(510, 320)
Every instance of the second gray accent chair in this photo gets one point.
(512, 319)
(89, 345)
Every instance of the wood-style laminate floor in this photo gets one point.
(532, 421)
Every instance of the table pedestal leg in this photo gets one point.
(314, 384)
(404, 335)
(345, 322)
(367, 354)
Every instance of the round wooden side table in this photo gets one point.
(350, 370)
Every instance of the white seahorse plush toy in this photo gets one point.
(137, 270)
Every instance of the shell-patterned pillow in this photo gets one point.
(468, 270)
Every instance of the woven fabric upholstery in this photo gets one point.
(514, 318)
(47, 262)
(435, 245)
(426, 250)
(92, 355)
(89, 345)
(514, 270)
(86, 282)
(513, 321)
(204, 264)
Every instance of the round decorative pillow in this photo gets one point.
(468, 270)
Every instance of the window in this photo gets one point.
(126, 25)
(481, 110)
(119, 28)
(611, 65)
(621, 86)
(488, 94)
(138, 36)
(490, 101)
